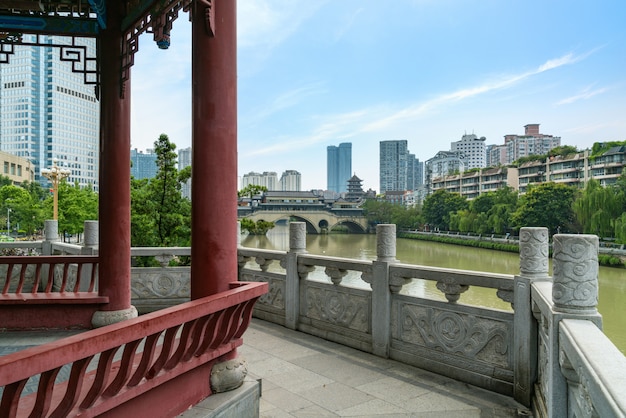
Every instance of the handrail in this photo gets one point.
(68, 282)
(175, 340)
(594, 367)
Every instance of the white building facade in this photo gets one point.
(474, 149)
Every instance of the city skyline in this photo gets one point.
(317, 74)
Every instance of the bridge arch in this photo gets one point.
(317, 221)
(353, 227)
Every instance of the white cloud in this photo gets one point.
(587, 93)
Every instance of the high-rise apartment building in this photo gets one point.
(444, 163)
(268, 179)
(338, 167)
(47, 112)
(143, 164)
(474, 149)
(399, 169)
(415, 173)
(531, 143)
(184, 160)
(290, 180)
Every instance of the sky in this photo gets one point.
(318, 73)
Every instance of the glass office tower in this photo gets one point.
(47, 113)
(338, 167)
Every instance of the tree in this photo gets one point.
(597, 209)
(378, 211)
(259, 227)
(76, 205)
(160, 216)
(438, 207)
(251, 190)
(548, 205)
(26, 209)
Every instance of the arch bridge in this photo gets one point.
(317, 221)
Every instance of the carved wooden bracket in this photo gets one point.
(209, 13)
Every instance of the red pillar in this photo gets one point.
(114, 248)
(214, 147)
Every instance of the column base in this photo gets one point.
(104, 318)
(228, 375)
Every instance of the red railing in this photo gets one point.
(108, 368)
(20, 283)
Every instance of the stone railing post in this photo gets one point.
(90, 247)
(297, 245)
(574, 295)
(51, 234)
(534, 256)
(90, 242)
(381, 293)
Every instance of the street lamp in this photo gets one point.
(8, 222)
(55, 174)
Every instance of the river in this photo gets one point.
(612, 292)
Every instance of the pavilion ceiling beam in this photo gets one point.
(49, 25)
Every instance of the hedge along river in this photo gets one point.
(612, 281)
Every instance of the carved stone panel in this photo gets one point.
(459, 333)
(160, 283)
(338, 308)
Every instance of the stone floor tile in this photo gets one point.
(336, 396)
(299, 382)
(271, 366)
(285, 400)
(436, 402)
(374, 408)
(393, 390)
(340, 369)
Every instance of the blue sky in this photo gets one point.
(318, 73)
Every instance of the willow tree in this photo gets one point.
(598, 208)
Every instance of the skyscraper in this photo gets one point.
(143, 164)
(184, 160)
(338, 167)
(48, 112)
(393, 165)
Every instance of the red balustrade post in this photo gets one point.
(214, 147)
(114, 188)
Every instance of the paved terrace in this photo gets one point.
(304, 375)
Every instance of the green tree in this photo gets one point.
(160, 216)
(259, 227)
(378, 211)
(251, 190)
(18, 205)
(406, 217)
(548, 205)
(76, 205)
(597, 208)
(438, 207)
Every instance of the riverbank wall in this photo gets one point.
(610, 255)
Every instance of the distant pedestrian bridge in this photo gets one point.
(318, 219)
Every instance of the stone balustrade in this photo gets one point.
(544, 344)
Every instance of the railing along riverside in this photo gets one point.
(116, 365)
(469, 343)
(493, 348)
